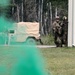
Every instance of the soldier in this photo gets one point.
(55, 24)
(65, 30)
(57, 30)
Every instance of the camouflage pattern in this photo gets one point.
(60, 30)
(65, 31)
(55, 25)
(57, 30)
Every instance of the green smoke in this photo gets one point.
(18, 60)
(4, 3)
(21, 60)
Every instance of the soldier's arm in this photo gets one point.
(54, 25)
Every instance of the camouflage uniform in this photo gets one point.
(55, 25)
(65, 30)
(57, 33)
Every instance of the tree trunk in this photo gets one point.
(46, 23)
(56, 12)
(47, 19)
(18, 17)
(50, 17)
(39, 13)
(41, 25)
(22, 10)
(13, 8)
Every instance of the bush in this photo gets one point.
(47, 39)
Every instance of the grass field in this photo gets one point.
(60, 61)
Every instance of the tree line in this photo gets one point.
(42, 11)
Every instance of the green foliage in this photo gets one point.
(29, 6)
(60, 4)
(18, 1)
(48, 39)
